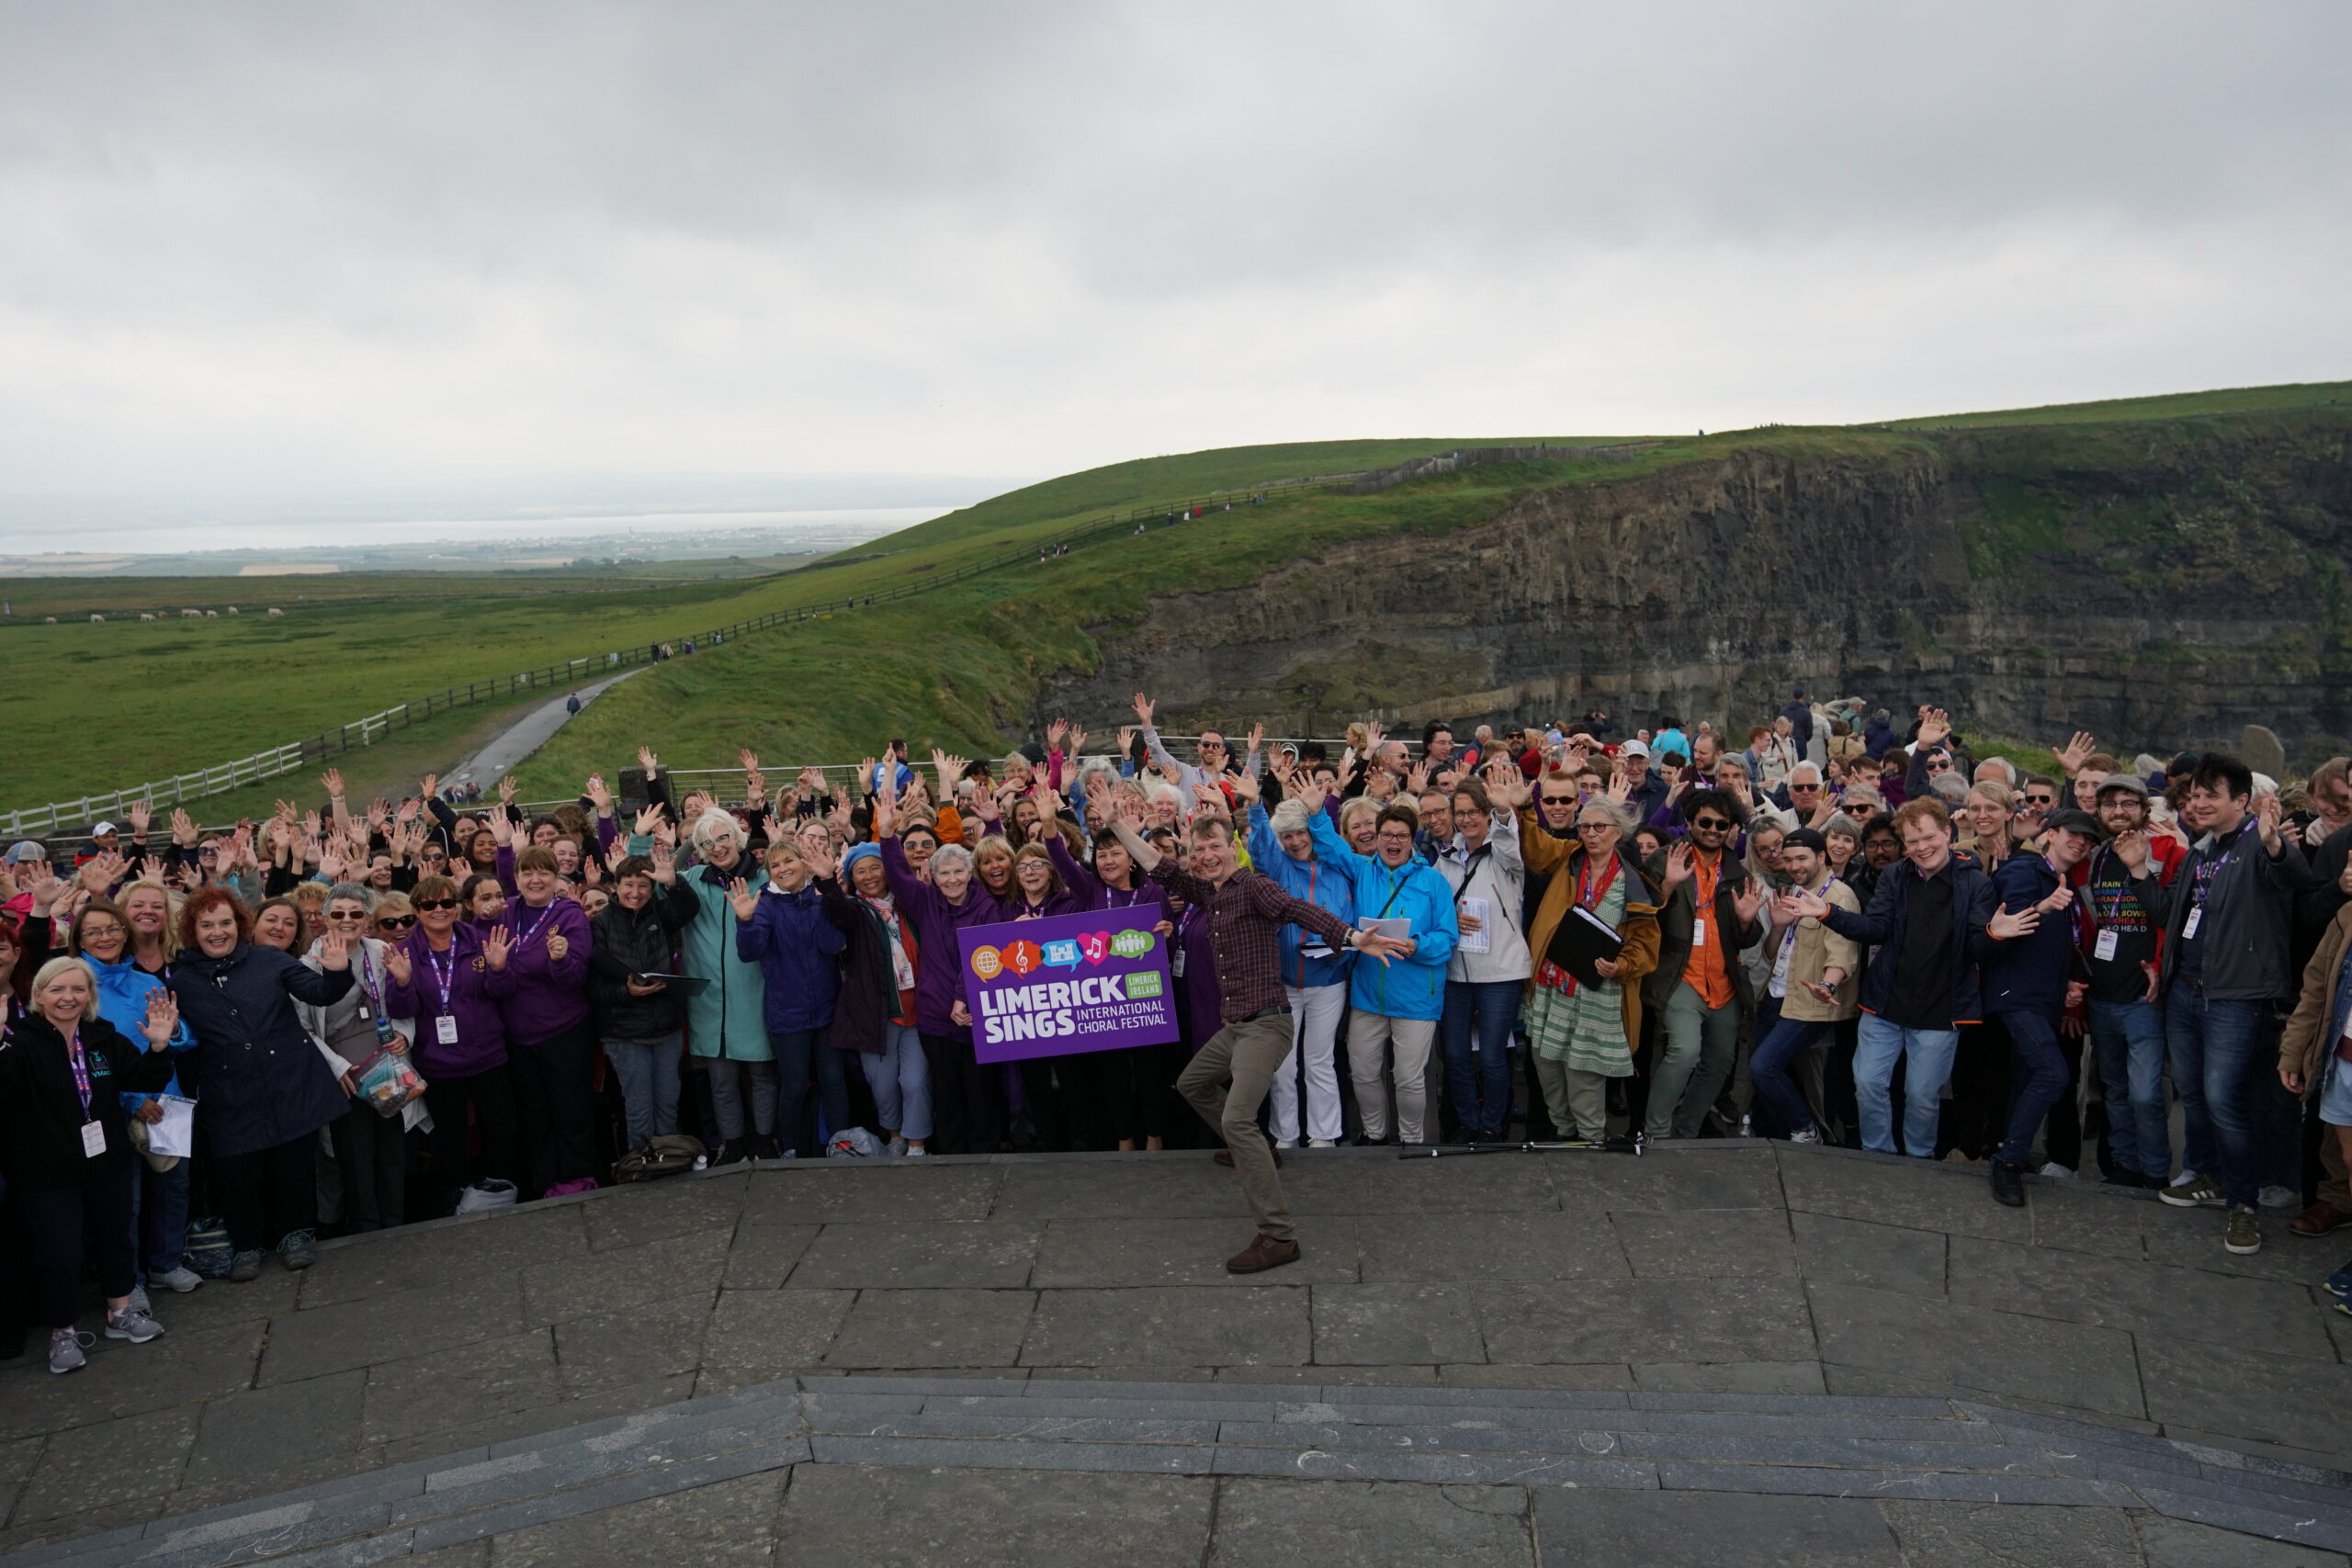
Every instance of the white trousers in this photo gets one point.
(1315, 1015)
(1369, 1036)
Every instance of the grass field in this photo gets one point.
(957, 664)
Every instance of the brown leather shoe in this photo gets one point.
(1263, 1253)
(1224, 1156)
(2318, 1220)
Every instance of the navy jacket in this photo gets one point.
(260, 1078)
(1974, 902)
(798, 952)
(2029, 974)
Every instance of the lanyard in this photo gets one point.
(370, 986)
(80, 1069)
(523, 936)
(444, 974)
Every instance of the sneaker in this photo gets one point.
(245, 1268)
(182, 1279)
(2057, 1172)
(2008, 1183)
(734, 1151)
(2243, 1235)
(2197, 1192)
(1263, 1253)
(298, 1250)
(1285, 1142)
(898, 1146)
(916, 1151)
(138, 1302)
(2277, 1198)
(1322, 1142)
(768, 1148)
(132, 1324)
(66, 1351)
(1809, 1135)
(2318, 1220)
(2339, 1284)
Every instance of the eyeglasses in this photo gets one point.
(1396, 838)
(1710, 824)
(395, 922)
(425, 904)
(346, 914)
(1595, 827)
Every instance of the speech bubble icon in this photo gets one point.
(1022, 957)
(1131, 943)
(1062, 954)
(1097, 945)
(987, 962)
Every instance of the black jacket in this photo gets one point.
(868, 998)
(261, 1080)
(634, 942)
(40, 1113)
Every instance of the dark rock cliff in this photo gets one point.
(2157, 585)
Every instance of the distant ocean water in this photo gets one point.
(81, 538)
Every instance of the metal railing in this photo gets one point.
(175, 789)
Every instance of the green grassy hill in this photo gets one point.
(957, 664)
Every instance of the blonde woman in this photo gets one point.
(66, 1145)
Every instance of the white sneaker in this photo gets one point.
(2279, 1198)
(182, 1279)
(1810, 1135)
(898, 1146)
(1285, 1142)
(2058, 1171)
(915, 1153)
(1322, 1142)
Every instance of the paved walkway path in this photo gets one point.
(530, 732)
(1718, 1352)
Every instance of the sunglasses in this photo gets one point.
(396, 922)
(1595, 827)
(1710, 824)
(2040, 800)
(1562, 799)
(424, 903)
(1939, 767)
(346, 914)
(1804, 789)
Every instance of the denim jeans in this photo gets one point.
(2037, 1081)
(2128, 1038)
(1768, 1070)
(159, 1218)
(649, 1074)
(2217, 1048)
(1480, 1083)
(1927, 1055)
(798, 1055)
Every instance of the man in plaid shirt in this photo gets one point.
(1227, 1081)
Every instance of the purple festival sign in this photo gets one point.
(1066, 984)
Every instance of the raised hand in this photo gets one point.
(1506, 785)
(599, 796)
(1803, 904)
(592, 869)
(1245, 788)
(2266, 812)
(428, 786)
(1055, 733)
(183, 829)
(646, 760)
(1935, 728)
(331, 782)
(2008, 924)
(334, 950)
(140, 817)
(750, 758)
(396, 963)
(746, 903)
(497, 946)
(1307, 789)
(1257, 735)
(1076, 738)
(665, 864)
(1208, 795)
(506, 790)
(2131, 849)
(1747, 899)
(2075, 752)
(558, 945)
(1680, 866)
(1417, 778)
(1144, 706)
(408, 811)
(1049, 802)
(648, 820)
(379, 812)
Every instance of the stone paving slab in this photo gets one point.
(1724, 1273)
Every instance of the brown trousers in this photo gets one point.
(1227, 1081)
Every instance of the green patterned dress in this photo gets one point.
(1583, 1027)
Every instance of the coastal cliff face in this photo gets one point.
(2156, 585)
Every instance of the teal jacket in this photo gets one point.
(1417, 891)
(728, 1017)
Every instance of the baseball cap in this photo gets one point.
(25, 850)
(2073, 822)
(1636, 749)
(2130, 783)
(104, 827)
(1807, 839)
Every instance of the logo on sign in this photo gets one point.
(1022, 957)
(1145, 985)
(1062, 954)
(987, 962)
(1131, 943)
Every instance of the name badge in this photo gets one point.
(2104, 949)
(364, 1014)
(1698, 934)
(1176, 961)
(445, 1029)
(2195, 918)
(94, 1139)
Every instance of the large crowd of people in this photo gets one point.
(1833, 926)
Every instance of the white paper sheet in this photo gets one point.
(176, 1134)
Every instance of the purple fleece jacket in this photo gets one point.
(939, 961)
(477, 990)
(550, 995)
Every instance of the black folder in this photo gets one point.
(1582, 939)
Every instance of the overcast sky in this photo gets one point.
(327, 248)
